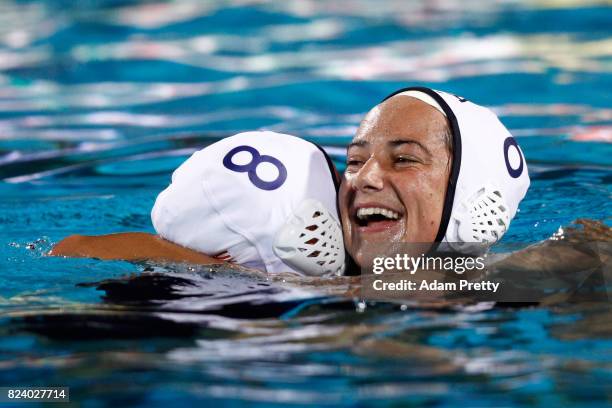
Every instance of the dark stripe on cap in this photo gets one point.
(332, 168)
(351, 268)
(454, 175)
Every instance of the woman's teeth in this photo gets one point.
(365, 213)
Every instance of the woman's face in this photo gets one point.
(395, 183)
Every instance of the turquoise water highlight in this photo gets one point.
(100, 101)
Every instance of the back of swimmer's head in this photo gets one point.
(261, 199)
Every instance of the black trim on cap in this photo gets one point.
(335, 177)
(350, 268)
(456, 165)
(332, 168)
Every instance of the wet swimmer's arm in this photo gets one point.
(129, 246)
(576, 249)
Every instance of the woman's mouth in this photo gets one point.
(375, 219)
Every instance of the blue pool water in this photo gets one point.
(101, 100)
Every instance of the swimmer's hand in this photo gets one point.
(129, 246)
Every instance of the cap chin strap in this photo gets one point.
(479, 221)
(311, 241)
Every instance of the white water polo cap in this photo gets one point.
(488, 177)
(260, 199)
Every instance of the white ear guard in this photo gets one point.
(482, 218)
(311, 241)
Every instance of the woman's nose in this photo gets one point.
(369, 177)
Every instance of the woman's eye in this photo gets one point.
(353, 165)
(403, 159)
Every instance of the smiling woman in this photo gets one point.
(397, 173)
(426, 166)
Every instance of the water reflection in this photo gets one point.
(101, 100)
